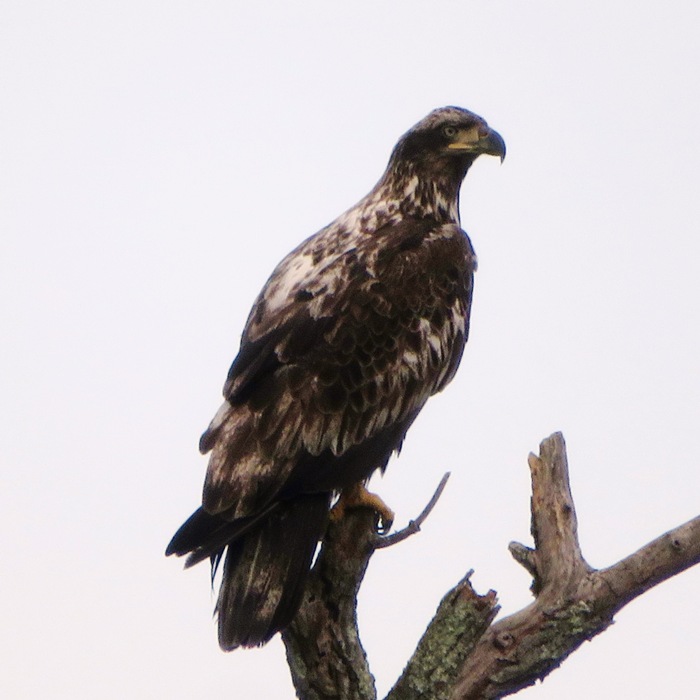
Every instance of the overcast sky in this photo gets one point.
(159, 158)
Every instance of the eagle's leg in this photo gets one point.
(357, 496)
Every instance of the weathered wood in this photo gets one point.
(461, 619)
(324, 652)
(573, 602)
(463, 654)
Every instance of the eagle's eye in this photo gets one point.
(449, 131)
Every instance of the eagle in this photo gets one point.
(352, 333)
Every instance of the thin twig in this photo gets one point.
(413, 526)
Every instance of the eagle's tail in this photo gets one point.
(268, 558)
(265, 572)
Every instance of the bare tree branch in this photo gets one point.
(666, 556)
(461, 619)
(573, 602)
(463, 654)
(324, 652)
(413, 525)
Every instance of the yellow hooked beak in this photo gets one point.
(479, 139)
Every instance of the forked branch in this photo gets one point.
(463, 654)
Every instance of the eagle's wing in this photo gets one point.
(332, 372)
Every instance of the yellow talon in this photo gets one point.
(357, 496)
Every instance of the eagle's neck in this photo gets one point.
(409, 191)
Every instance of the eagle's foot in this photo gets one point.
(357, 496)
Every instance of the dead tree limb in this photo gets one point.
(463, 654)
(324, 652)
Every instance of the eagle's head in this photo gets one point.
(449, 137)
(430, 161)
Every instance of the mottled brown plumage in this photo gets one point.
(353, 332)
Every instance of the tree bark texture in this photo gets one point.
(464, 654)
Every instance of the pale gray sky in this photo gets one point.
(159, 158)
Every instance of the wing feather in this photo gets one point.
(323, 372)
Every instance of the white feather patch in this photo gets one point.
(290, 279)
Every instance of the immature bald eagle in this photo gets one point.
(352, 333)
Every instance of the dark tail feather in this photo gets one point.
(204, 535)
(266, 570)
